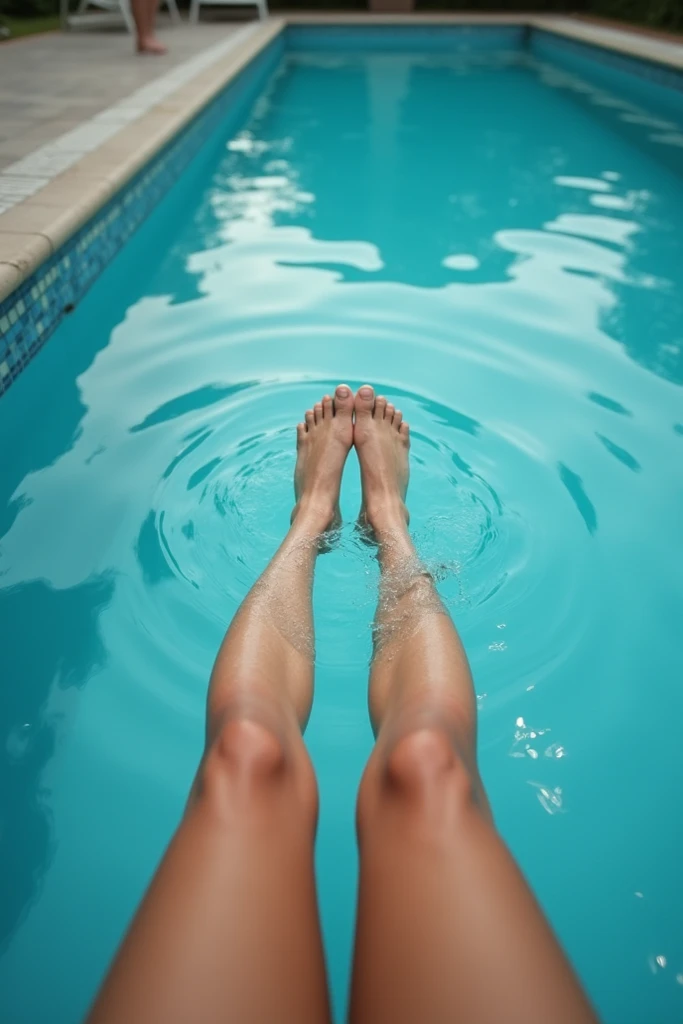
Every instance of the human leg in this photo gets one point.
(229, 929)
(448, 930)
(144, 16)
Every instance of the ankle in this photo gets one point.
(388, 518)
(312, 515)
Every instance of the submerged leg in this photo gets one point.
(448, 930)
(229, 929)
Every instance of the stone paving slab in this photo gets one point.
(52, 83)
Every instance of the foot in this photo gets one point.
(323, 443)
(382, 441)
(150, 44)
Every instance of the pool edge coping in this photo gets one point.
(36, 228)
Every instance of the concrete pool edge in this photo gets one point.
(34, 233)
(36, 228)
(108, 205)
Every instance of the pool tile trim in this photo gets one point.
(118, 185)
(63, 228)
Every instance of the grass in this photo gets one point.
(29, 26)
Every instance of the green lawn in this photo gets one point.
(29, 26)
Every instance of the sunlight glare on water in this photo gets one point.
(493, 242)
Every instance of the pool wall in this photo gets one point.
(404, 39)
(31, 312)
(635, 78)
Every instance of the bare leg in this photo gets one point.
(144, 16)
(447, 930)
(229, 929)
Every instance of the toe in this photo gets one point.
(364, 401)
(343, 401)
(310, 419)
(327, 408)
(389, 414)
(300, 433)
(404, 431)
(398, 418)
(318, 411)
(380, 407)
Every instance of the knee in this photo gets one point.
(248, 749)
(424, 781)
(248, 767)
(424, 765)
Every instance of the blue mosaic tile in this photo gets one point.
(32, 312)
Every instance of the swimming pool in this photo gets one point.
(489, 228)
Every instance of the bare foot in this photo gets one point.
(322, 444)
(382, 441)
(150, 44)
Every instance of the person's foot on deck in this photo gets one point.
(382, 441)
(150, 44)
(323, 442)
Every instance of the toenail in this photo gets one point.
(366, 392)
(342, 391)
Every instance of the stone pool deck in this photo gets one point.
(53, 83)
(80, 113)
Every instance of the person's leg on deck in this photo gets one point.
(229, 928)
(145, 15)
(448, 931)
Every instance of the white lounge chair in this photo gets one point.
(261, 6)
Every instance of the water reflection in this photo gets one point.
(619, 453)
(400, 187)
(608, 403)
(55, 645)
(200, 398)
(550, 798)
(359, 203)
(445, 415)
(150, 554)
(584, 506)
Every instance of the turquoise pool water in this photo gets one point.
(493, 237)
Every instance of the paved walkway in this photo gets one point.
(53, 83)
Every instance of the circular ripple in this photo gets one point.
(223, 503)
(483, 507)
